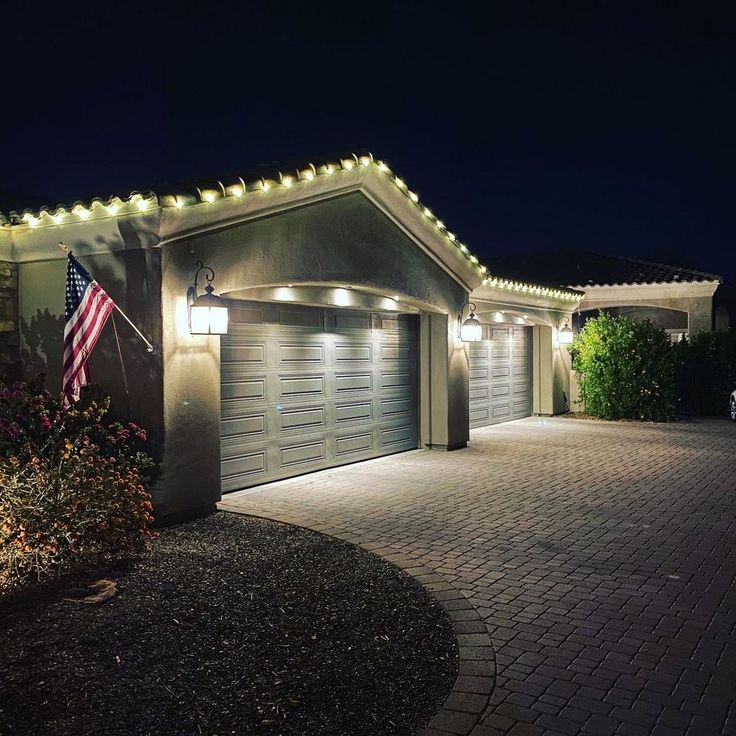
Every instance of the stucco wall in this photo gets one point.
(9, 337)
(132, 279)
(341, 241)
(696, 299)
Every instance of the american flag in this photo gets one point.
(87, 310)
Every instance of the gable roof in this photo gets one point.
(179, 203)
(582, 269)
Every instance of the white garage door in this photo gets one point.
(501, 375)
(305, 388)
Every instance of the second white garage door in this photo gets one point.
(500, 375)
(306, 388)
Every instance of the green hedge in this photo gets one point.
(626, 369)
(707, 374)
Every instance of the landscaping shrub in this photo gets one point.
(626, 369)
(708, 372)
(73, 486)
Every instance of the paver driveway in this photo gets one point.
(602, 558)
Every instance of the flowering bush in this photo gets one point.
(626, 369)
(73, 486)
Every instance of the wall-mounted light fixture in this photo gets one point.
(565, 334)
(208, 312)
(471, 329)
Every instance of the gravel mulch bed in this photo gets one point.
(231, 625)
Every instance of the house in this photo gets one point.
(346, 298)
(682, 301)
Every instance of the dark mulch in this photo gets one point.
(231, 625)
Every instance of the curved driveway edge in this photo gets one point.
(600, 556)
(476, 659)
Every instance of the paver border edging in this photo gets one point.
(471, 692)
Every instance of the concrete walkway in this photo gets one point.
(601, 557)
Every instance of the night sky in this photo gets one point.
(526, 127)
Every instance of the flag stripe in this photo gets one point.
(85, 330)
(87, 310)
(82, 337)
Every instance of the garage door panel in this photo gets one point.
(352, 444)
(293, 317)
(347, 320)
(396, 352)
(303, 453)
(298, 386)
(396, 407)
(289, 354)
(244, 427)
(351, 382)
(397, 435)
(500, 412)
(480, 416)
(353, 353)
(395, 380)
(243, 470)
(248, 354)
(254, 388)
(302, 420)
(243, 316)
(359, 412)
(297, 398)
(500, 376)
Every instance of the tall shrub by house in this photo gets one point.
(626, 369)
(73, 485)
(708, 373)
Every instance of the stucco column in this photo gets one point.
(700, 315)
(190, 471)
(542, 371)
(446, 383)
(9, 333)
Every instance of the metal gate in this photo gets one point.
(306, 388)
(500, 375)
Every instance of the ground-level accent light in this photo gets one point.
(208, 312)
(471, 329)
(566, 334)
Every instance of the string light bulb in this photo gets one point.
(82, 212)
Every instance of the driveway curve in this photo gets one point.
(601, 557)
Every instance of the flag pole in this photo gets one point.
(149, 347)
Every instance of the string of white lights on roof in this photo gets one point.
(138, 203)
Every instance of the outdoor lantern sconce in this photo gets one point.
(208, 312)
(471, 329)
(566, 335)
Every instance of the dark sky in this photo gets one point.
(526, 127)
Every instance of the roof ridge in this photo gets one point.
(663, 265)
(265, 178)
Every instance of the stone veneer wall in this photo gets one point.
(9, 332)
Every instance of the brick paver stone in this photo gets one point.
(600, 556)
